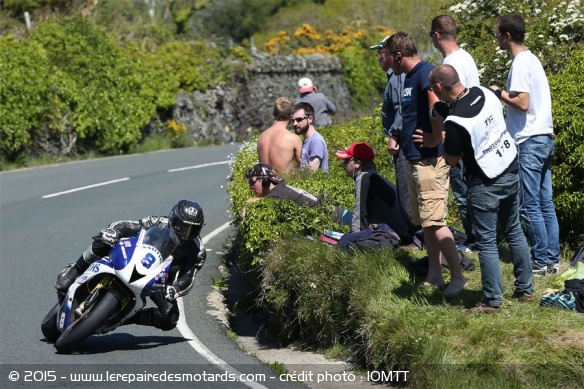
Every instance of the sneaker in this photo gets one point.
(463, 248)
(539, 271)
(483, 308)
(553, 269)
(523, 296)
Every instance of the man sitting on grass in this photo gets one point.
(376, 199)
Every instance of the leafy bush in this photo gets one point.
(96, 89)
(568, 164)
(69, 86)
(24, 93)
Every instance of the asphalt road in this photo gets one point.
(47, 218)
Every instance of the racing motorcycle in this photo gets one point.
(112, 289)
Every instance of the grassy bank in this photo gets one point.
(374, 306)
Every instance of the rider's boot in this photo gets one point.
(164, 317)
(68, 275)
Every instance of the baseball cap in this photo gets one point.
(359, 150)
(380, 44)
(305, 85)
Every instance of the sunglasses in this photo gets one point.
(299, 119)
(431, 87)
(253, 180)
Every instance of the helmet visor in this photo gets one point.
(186, 230)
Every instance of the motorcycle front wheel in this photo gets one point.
(49, 325)
(85, 326)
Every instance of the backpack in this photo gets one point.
(376, 237)
(578, 257)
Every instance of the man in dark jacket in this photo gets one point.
(376, 199)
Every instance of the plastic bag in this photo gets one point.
(573, 273)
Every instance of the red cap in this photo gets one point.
(359, 150)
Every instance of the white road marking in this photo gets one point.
(127, 178)
(86, 187)
(198, 166)
(195, 343)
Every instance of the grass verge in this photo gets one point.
(373, 304)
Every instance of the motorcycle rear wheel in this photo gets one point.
(92, 319)
(49, 325)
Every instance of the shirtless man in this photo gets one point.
(277, 146)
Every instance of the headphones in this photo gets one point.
(398, 57)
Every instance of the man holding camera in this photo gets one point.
(476, 133)
(529, 120)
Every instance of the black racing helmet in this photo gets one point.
(186, 219)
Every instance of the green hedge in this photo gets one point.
(568, 164)
(70, 87)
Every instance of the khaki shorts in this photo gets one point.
(428, 183)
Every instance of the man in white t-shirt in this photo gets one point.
(443, 34)
(529, 121)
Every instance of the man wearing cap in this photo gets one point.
(321, 104)
(277, 146)
(314, 153)
(391, 121)
(376, 198)
(265, 183)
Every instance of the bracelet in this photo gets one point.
(498, 92)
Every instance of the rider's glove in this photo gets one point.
(109, 236)
(171, 293)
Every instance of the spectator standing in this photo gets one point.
(443, 34)
(476, 132)
(314, 154)
(277, 146)
(529, 120)
(428, 179)
(391, 121)
(376, 199)
(320, 103)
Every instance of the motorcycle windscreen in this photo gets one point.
(163, 239)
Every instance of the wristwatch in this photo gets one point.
(498, 92)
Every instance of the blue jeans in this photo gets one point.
(537, 208)
(459, 189)
(495, 203)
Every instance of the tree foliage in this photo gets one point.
(70, 86)
(25, 83)
(98, 90)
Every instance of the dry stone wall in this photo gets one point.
(231, 114)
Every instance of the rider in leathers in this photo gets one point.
(186, 220)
